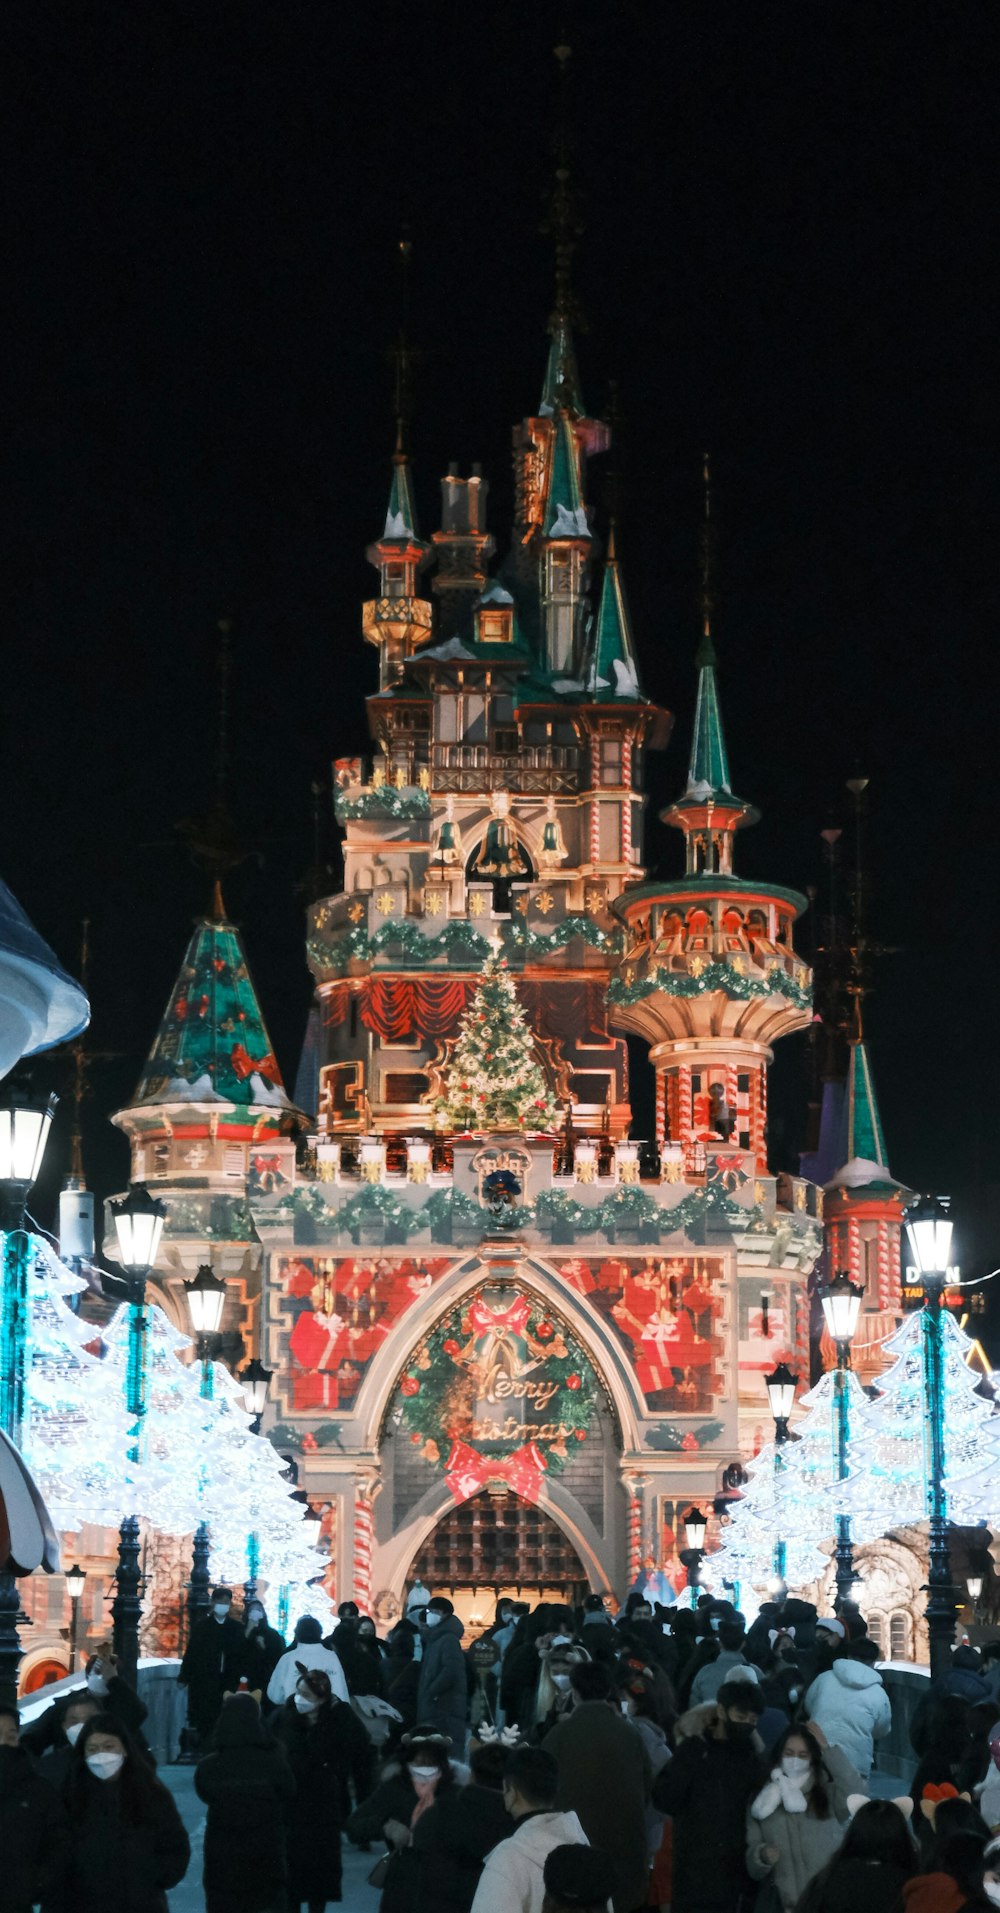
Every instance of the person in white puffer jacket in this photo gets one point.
(851, 1706)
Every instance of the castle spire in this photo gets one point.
(862, 1138)
(212, 1045)
(563, 223)
(613, 671)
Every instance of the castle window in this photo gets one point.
(505, 741)
(496, 626)
(899, 1637)
(611, 760)
(404, 1086)
(233, 1161)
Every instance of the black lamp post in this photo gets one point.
(206, 1301)
(695, 1527)
(841, 1306)
(138, 1219)
(928, 1230)
(781, 1385)
(255, 1380)
(25, 1121)
(76, 1581)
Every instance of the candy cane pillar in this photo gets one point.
(364, 1538)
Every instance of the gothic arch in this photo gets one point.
(606, 1355)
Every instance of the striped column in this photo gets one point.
(661, 1106)
(684, 1132)
(595, 822)
(854, 1250)
(364, 1535)
(634, 1536)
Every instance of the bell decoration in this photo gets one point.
(553, 849)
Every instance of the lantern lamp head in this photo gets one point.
(138, 1219)
(255, 1380)
(781, 1385)
(206, 1299)
(841, 1306)
(974, 1583)
(25, 1121)
(76, 1578)
(928, 1232)
(695, 1525)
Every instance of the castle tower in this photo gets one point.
(710, 978)
(862, 1213)
(398, 621)
(210, 1116)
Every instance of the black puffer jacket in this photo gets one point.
(34, 1835)
(451, 1841)
(248, 1791)
(325, 1759)
(121, 1865)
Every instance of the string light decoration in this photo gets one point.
(776, 1503)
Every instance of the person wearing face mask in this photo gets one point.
(330, 1756)
(247, 1786)
(213, 1664)
(638, 1699)
(420, 1774)
(127, 1839)
(354, 1641)
(55, 1762)
(443, 1690)
(107, 1692)
(307, 1645)
(34, 1831)
(555, 1698)
(262, 1646)
(795, 1823)
(707, 1787)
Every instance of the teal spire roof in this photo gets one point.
(401, 517)
(708, 772)
(212, 1044)
(861, 1135)
(612, 671)
(566, 516)
(562, 379)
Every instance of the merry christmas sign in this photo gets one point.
(497, 1394)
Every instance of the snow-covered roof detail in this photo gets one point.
(495, 594)
(396, 526)
(569, 523)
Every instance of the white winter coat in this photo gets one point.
(511, 1880)
(851, 1705)
(285, 1678)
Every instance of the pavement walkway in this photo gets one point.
(359, 1897)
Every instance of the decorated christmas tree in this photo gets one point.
(888, 1487)
(494, 1080)
(775, 1530)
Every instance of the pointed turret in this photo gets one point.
(862, 1138)
(212, 1045)
(612, 671)
(397, 622)
(561, 387)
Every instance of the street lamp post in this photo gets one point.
(841, 1306)
(695, 1527)
(781, 1385)
(76, 1581)
(24, 1127)
(138, 1219)
(206, 1301)
(928, 1230)
(255, 1380)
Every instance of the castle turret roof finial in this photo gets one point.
(563, 223)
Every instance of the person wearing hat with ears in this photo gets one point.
(330, 1756)
(578, 1880)
(420, 1775)
(443, 1690)
(247, 1786)
(513, 1879)
(212, 1664)
(850, 1704)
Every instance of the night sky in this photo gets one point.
(790, 259)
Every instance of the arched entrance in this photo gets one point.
(496, 1543)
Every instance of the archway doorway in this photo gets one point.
(496, 1544)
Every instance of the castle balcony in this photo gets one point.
(383, 619)
(712, 960)
(542, 769)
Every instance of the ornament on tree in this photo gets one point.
(494, 1080)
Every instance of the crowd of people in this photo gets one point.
(567, 1759)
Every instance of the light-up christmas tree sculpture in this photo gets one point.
(774, 1532)
(494, 1080)
(889, 1483)
(75, 1430)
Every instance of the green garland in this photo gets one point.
(671, 1438)
(382, 801)
(426, 1391)
(457, 938)
(449, 1212)
(715, 976)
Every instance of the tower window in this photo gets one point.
(611, 760)
(743, 1084)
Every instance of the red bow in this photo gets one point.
(466, 1471)
(513, 1320)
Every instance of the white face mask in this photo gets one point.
(253, 1620)
(433, 1619)
(97, 1684)
(423, 1773)
(221, 1610)
(991, 1888)
(626, 1709)
(561, 1681)
(105, 1766)
(306, 1703)
(73, 1733)
(796, 1767)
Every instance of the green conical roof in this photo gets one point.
(612, 670)
(565, 516)
(212, 1044)
(708, 771)
(401, 516)
(861, 1135)
(562, 380)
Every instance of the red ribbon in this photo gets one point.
(467, 1471)
(487, 1321)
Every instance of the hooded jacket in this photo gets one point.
(804, 1842)
(443, 1692)
(285, 1678)
(851, 1705)
(512, 1879)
